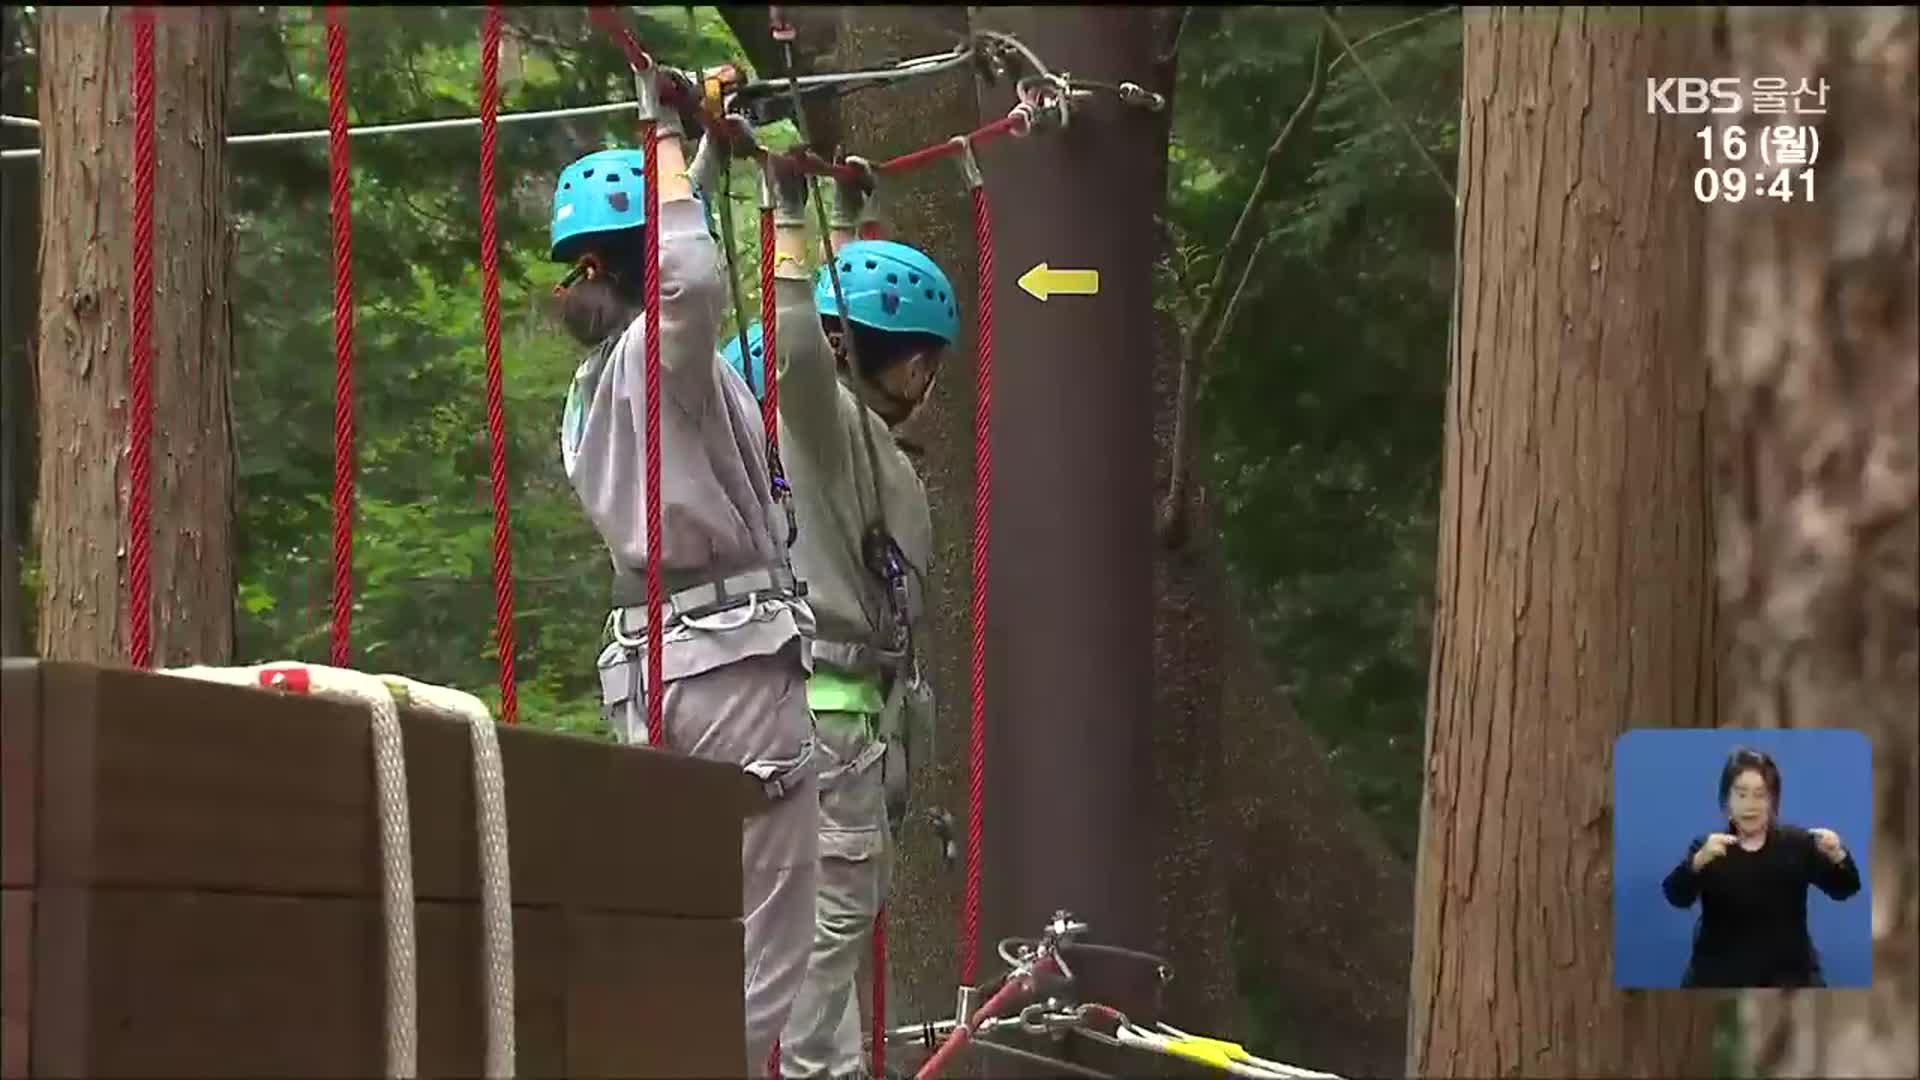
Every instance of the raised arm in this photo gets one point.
(693, 291)
(809, 381)
(692, 285)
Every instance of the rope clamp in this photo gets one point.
(769, 187)
(869, 179)
(1022, 115)
(969, 165)
(1141, 97)
(1047, 99)
(778, 27)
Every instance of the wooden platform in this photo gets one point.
(191, 888)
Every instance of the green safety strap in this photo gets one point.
(833, 691)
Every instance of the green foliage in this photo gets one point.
(422, 543)
(1320, 417)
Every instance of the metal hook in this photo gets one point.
(969, 166)
(1135, 94)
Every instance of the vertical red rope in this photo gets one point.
(878, 1053)
(770, 405)
(496, 403)
(977, 653)
(342, 212)
(140, 355)
(650, 138)
(769, 408)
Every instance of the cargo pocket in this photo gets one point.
(852, 804)
(620, 694)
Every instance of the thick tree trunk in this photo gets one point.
(1242, 796)
(1573, 572)
(86, 116)
(19, 240)
(1814, 338)
(1070, 622)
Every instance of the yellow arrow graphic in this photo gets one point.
(1043, 281)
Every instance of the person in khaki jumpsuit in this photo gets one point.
(863, 545)
(735, 643)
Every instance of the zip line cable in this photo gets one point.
(318, 134)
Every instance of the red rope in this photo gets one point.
(1006, 125)
(342, 210)
(603, 16)
(656, 725)
(496, 407)
(879, 1037)
(977, 654)
(770, 406)
(997, 1005)
(140, 358)
(814, 165)
(637, 58)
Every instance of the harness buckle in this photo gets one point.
(774, 776)
(884, 560)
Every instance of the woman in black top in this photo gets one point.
(1752, 881)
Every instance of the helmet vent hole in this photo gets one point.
(929, 293)
(588, 174)
(943, 297)
(871, 265)
(568, 186)
(637, 173)
(613, 178)
(847, 267)
(893, 279)
(949, 309)
(913, 279)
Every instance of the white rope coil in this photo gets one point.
(383, 696)
(496, 880)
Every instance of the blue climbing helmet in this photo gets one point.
(891, 287)
(748, 371)
(618, 179)
(603, 192)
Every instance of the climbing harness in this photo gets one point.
(701, 600)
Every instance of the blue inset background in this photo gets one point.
(1666, 791)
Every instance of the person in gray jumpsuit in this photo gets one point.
(735, 648)
(864, 541)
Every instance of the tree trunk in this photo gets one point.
(86, 116)
(1070, 622)
(1242, 794)
(1572, 580)
(19, 241)
(1814, 337)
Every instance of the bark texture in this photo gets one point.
(85, 265)
(1815, 342)
(19, 240)
(1573, 574)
